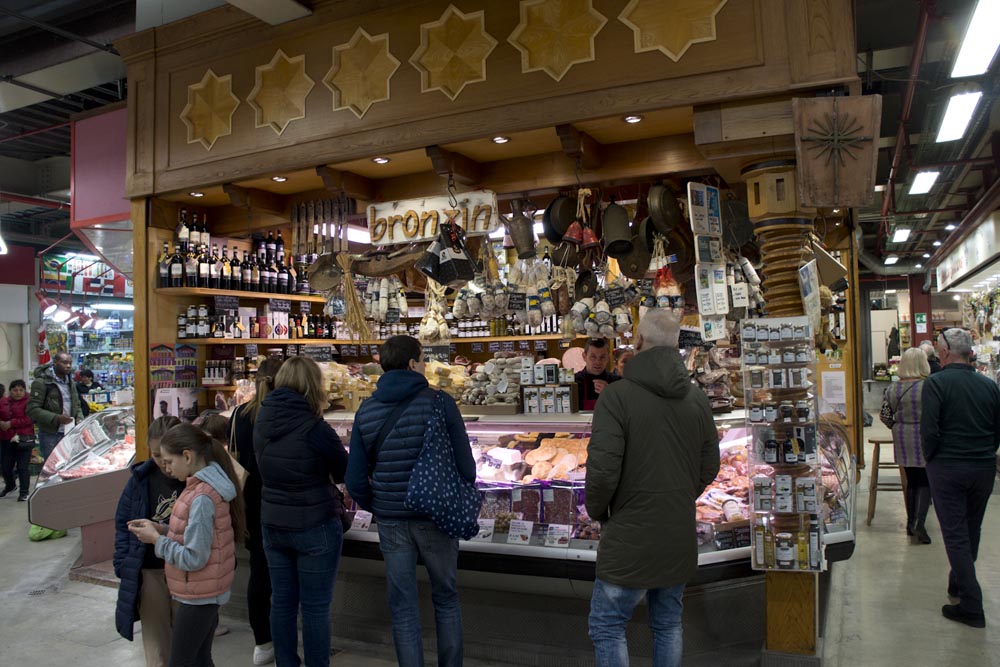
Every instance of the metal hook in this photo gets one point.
(578, 166)
(452, 199)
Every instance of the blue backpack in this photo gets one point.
(436, 489)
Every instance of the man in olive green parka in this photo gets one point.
(653, 450)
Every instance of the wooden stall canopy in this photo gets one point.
(221, 97)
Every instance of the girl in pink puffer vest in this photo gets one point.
(199, 545)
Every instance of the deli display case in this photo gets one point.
(82, 480)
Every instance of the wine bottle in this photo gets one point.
(237, 271)
(271, 245)
(225, 271)
(283, 279)
(177, 267)
(206, 238)
(272, 275)
(246, 270)
(279, 248)
(191, 267)
(214, 273)
(183, 232)
(204, 275)
(195, 233)
(163, 263)
(255, 285)
(312, 326)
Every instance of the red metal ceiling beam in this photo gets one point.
(41, 202)
(974, 162)
(30, 133)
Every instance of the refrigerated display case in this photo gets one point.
(82, 480)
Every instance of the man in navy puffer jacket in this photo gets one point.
(378, 482)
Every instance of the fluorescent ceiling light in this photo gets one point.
(923, 182)
(355, 235)
(949, 228)
(927, 255)
(980, 42)
(879, 188)
(901, 234)
(112, 306)
(890, 291)
(918, 266)
(891, 259)
(958, 115)
(936, 244)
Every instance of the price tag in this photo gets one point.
(647, 300)
(477, 348)
(646, 285)
(392, 316)
(318, 352)
(364, 351)
(524, 344)
(280, 305)
(507, 346)
(337, 306)
(541, 346)
(224, 303)
(362, 520)
(494, 346)
(517, 301)
(305, 307)
(615, 297)
(557, 535)
(741, 295)
(486, 528)
(520, 532)
(251, 350)
(452, 348)
(349, 351)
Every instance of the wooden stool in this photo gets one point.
(874, 486)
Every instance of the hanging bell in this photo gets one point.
(574, 234)
(589, 239)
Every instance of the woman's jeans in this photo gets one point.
(303, 566)
(402, 543)
(611, 608)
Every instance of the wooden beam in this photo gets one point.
(256, 200)
(580, 146)
(447, 163)
(351, 184)
(232, 221)
(144, 275)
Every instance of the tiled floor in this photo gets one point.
(884, 607)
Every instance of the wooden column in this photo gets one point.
(142, 279)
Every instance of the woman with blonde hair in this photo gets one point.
(240, 437)
(903, 399)
(300, 458)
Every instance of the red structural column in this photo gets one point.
(920, 303)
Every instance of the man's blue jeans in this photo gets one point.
(47, 442)
(402, 543)
(303, 565)
(611, 608)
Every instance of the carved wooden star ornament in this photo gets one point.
(208, 114)
(279, 95)
(554, 35)
(361, 72)
(671, 26)
(453, 52)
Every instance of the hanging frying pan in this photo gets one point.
(558, 216)
(737, 230)
(664, 209)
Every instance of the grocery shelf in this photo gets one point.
(219, 387)
(105, 351)
(261, 296)
(349, 341)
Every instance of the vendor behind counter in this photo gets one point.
(592, 380)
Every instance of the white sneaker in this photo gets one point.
(263, 654)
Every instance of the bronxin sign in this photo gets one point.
(416, 220)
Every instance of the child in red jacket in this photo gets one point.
(17, 439)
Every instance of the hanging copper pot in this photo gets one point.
(521, 230)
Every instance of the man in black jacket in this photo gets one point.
(959, 432)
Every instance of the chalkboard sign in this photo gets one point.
(224, 303)
(453, 348)
(317, 352)
(392, 316)
(615, 297)
(477, 348)
(349, 351)
(364, 351)
(690, 338)
(507, 346)
(541, 346)
(251, 350)
(280, 305)
(494, 346)
(524, 344)
(438, 353)
(305, 307)
(646, 285)
(292, 350)
(518, 301)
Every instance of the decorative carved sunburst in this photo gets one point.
(836, 135)
(208, 114)
(279, 95)
(671, 26)
(453, 52)
(554, 35)
(361, 72)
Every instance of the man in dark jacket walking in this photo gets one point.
(386, 440)
(653, 450)
(54, 403)
(959, 433)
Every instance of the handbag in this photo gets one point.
(24, 442)
(436, 488)
(887, 415)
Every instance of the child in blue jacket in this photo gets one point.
(142, 594)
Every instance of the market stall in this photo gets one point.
(503, 208)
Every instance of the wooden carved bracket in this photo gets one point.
(258, 200)
(351, 184)
(580, 146)
(446, 163)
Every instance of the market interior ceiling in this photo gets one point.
(47, 42)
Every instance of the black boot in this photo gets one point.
(922, 504)
(910, 499)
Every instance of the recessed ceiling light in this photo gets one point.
(197, 194)
(891, 259)
(901, 234)
(380, 160)
(957, 297)
(918, 265)
(279, 179)
(836, 210)
(950, 228)
(500, 139)
(633, 119)
(936, 243)
(927, 255)
(923, 182)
